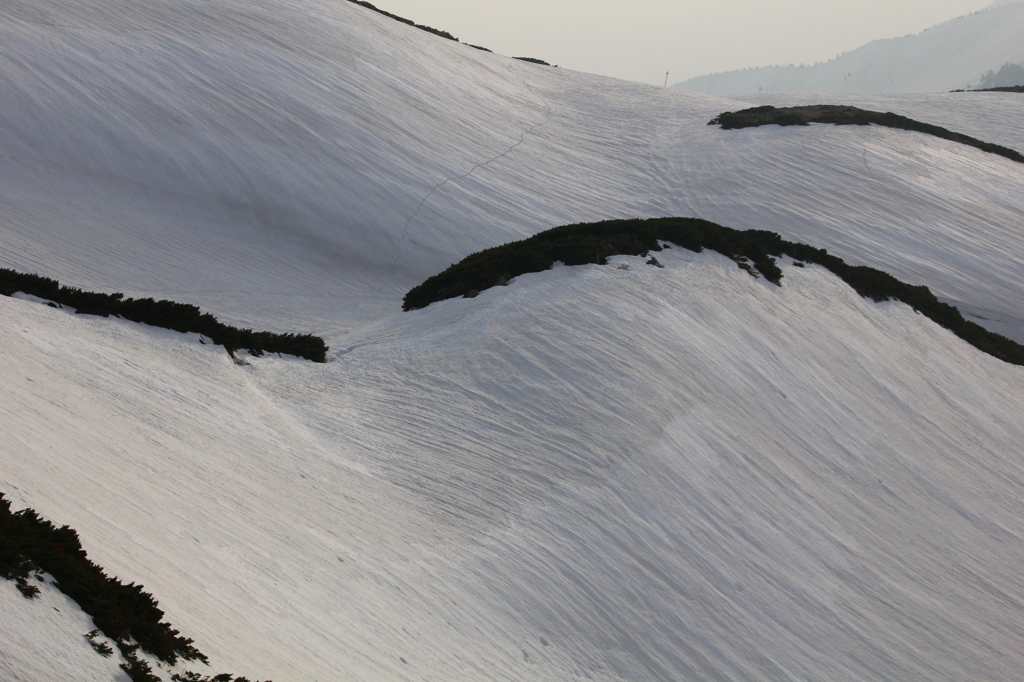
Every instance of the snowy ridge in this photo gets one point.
(609, 473)
(634, 466)
(949, 56)
(265, 161)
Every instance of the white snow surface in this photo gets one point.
(43, 639)
(664, 474)
(951, 56)
(299, 166)
(637, 473)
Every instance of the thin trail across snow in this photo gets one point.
(482, 164)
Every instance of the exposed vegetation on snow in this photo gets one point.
(30, 543)
(181, 317)
(496, 489)
(438, 32)
(846, 115)
(532, 60)
(188, 676)
(131, 617)
(428, 29)
(1010, 88)
(753, 250)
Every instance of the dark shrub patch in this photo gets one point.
(753, 250)
(102, 648)
(28, 591)
(1009, 88)
(122, 612)
(436, 32)
(593, 243)
(136, 669)
(194, 677)
(532, 60)
(181, 317)
(844, 115)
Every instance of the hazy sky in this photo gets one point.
(641, 39)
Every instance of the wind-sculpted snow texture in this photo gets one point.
(953, 55)
(678, 473)
(300, 166)
(644, 474)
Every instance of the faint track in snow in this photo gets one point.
(482, 164)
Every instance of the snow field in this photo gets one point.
(43, 639)
(300, 166)
(678, 473)
(598, 473)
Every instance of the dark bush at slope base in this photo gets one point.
(753, 250)
(844, 115)
(181, 317)
(29, 543)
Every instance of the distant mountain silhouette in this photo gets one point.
(956, 54)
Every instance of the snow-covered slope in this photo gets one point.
(298, 166)
(594, 473)
(643, 474)
(946, 57)
(43, 639)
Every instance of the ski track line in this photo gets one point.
(482, 164)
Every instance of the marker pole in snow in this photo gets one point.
(666, 79)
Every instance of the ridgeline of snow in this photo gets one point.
(642, 474)
(603, 473)
(950, 56)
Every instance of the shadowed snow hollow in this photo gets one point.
(603, 473)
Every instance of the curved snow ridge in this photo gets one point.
(753, 250)
(847, 115)
(987, 116)
(616, 473)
